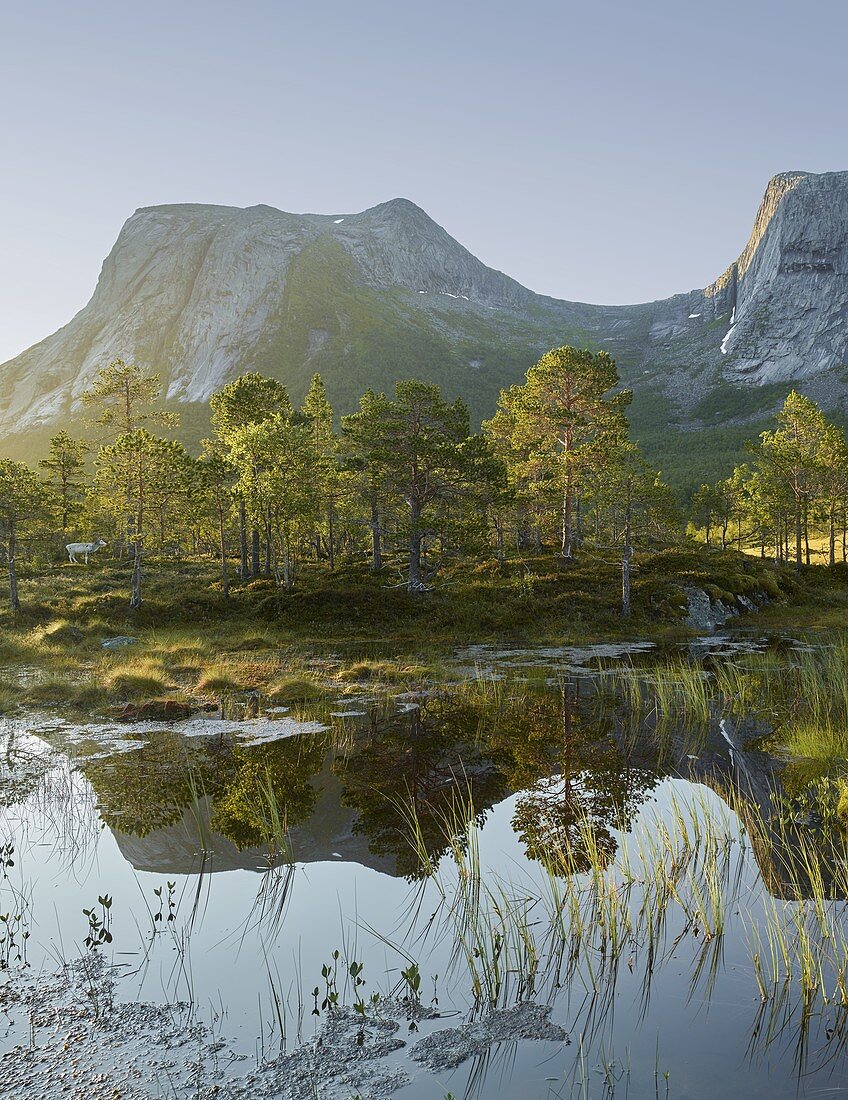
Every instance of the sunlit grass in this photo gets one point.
(136, 679)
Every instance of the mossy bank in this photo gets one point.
(188, 642)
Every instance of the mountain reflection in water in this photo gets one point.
(394, 789)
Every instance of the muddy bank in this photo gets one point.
(68, 1034)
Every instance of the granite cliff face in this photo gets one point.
(203, 293)
(789, 288)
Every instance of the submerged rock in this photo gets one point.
(448, 1048)
(343, 1060)
(165, 710)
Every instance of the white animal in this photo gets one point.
(85, 548)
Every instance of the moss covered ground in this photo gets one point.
(193, 643)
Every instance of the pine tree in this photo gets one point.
(64, 468)
(280, 484)
(136, 477)
(126, 398)
(213, 477)
(319, 414)
(417, 447)
(551, 423)
(246, 400)
(21, 502)
(791, 455)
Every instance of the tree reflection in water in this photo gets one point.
(415, 780)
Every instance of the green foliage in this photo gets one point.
(99, 924)
(726, 402)
(798, 478)
(125, 398)
(65, 468)
(22, 502)
(416, 449)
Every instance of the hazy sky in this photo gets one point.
(603, 151)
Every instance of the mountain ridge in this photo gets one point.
(203, 292)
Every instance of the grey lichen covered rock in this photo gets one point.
(704, 613)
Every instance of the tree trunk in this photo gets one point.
(14, 599)
(807, 531)
(138, 535)
(413, 584)
(135, 595)
(568, 521)
(376, 547)
(288, 579)
(832, 538)
(243, 539)
(799, 531)
(331, 539)
(225, 576)
(267, 569)
(254, 552)
(625, 566)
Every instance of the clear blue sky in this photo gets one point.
(606, 151)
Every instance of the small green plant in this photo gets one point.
(99, 925)
(412, 981)
(355, 972)
(6, 861)
(13, 939)
(330, 973)
(160, 916)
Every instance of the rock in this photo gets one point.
(449, 1047)
(165, 710)
(705, 614)
(118, 642)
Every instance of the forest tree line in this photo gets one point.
(792, 494)
(402, 483)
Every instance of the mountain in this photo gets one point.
(203, 293)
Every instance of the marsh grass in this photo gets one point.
(217, 681)
(675, 887)
(681, 877)
(387, 671)
(808, 684)
(295, 689)
(137, 679)
(802, 694)
(61, 691)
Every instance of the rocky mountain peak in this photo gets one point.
(787, 292)
(201, 293)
